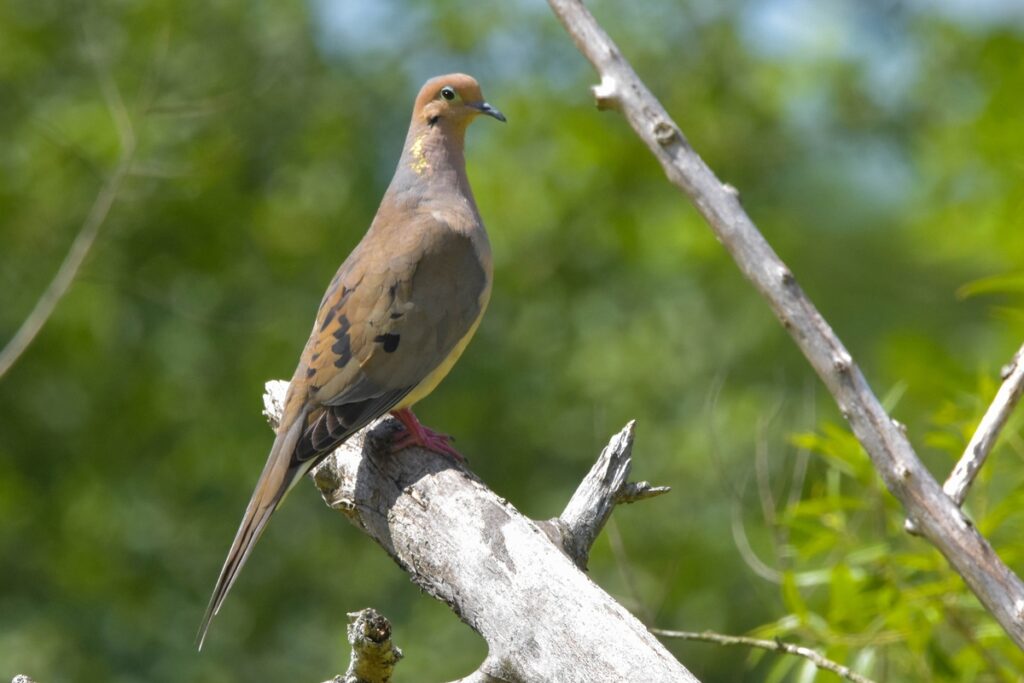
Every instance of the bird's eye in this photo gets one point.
(448, 93)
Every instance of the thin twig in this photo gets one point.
(58, 286)
(115, 103)
(932, 511)
(980, 445)
(813, 656)
(86, 236)
(746, 551)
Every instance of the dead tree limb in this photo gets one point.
(934, 513)
(605, 486)
(542, 617)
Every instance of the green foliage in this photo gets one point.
(879, 150)
(855, 582)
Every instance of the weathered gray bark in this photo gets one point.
(542, 617)
(985, 436)
(605, 486)
(374, 656)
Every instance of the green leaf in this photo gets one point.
(994, 284)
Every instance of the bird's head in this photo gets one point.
(452, 101)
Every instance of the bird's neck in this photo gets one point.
(433, 160)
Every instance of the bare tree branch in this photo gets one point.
(542, 617)
(774, 645)
(83, 241)
(606, 485)
(991, 425)
(930, 509)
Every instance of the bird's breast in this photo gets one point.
(452, 288)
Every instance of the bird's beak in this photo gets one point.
(485, 108)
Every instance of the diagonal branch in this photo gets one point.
(936, 516)
(991, 425)
(807, 653)
(65, 275)
(86, 236)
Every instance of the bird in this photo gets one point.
(395, 318)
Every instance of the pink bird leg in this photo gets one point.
(415, 434)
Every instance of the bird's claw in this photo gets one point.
(413, 433)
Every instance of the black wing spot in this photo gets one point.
(310, 372)
(343, 327)
(343, 350)
(389, 342)
(343, 347)
(333, 310)
(396, 316)
(329, 317)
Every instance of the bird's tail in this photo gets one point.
(279, 475)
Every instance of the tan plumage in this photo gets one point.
(396, 316)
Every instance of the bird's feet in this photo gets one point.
(415, 434)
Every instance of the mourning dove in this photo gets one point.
(397, 315)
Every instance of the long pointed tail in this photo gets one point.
(279, 476)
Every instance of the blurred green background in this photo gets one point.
(878, 145)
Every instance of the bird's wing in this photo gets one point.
(395, 311)
(393, 317)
